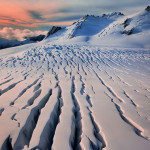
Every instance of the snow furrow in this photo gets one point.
(130, 99)
(101, 143)
(94, 137)
(9, 87)
(6, 81)
(26, 132)
(42, 137)
(23, 91)
(66, 125)
(77, 131)
(32, 99)
(124, 118)
(7, 144)
(1, 111)
(89, 100)
(83, 86)
(108, 88)
(82, 91)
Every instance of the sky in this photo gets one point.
(37, 16)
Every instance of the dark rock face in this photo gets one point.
(126, 22)
(113, 14)
(53, 30)
(117, 13)
(85, 17)
(147, 8)
(129, 32)
(35, 38)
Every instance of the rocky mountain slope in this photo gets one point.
(113, 29)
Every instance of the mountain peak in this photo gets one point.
(87, 16)
(113, 14)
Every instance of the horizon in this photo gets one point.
(20, 18)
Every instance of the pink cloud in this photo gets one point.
(17, 34)
(23, 12)
(53, 23)
(9, 23)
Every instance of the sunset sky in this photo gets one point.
(41, 14)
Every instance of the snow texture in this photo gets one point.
(63, 94)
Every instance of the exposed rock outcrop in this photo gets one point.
(53, 30)
(147, 8)
(35, 38)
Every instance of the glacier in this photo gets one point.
(86, 87)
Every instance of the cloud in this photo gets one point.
(98, 7)
(65, 19)
(37, 13)
(17, 34)
(27, 13)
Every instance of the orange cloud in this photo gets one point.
(9, 23)
(13, 11)
(53, 23)
(29, 13)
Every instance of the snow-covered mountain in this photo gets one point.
(114, 29)
(5, 43)
(67, 93)
(89, 25)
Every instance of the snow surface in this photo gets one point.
(64, 94)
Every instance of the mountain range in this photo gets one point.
(113, 29)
